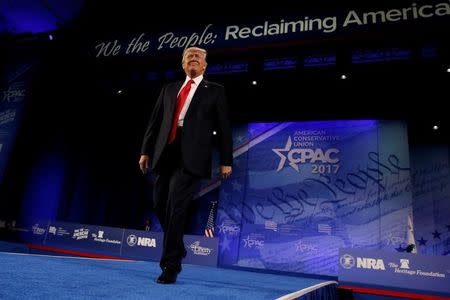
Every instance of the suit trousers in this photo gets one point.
(174, 190)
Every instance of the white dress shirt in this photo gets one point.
(194, 86)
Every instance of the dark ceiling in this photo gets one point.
(414, 89)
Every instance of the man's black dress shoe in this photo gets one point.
(167, 276)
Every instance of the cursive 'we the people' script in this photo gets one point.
(140, 44)
(136, 45)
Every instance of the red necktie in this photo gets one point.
(181, 99)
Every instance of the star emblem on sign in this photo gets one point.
(283, 157)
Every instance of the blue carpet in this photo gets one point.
(26, 276)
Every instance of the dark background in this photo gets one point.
(74, 111)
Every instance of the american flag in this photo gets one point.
(324, 228)
(209, 230)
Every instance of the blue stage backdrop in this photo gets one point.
(301, 191)
(430, 175)
(14, 85)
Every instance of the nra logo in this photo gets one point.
(141, 241)
(347, 262)
(370, 263)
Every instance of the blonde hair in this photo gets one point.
(203, 51)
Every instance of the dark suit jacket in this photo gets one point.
(207, 111)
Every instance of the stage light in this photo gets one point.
(343, 76)
(50, 37)
(119, 92)
(214, 132)
(435, 127)
(448, 70)
(254, 82)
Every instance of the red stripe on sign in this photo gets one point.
(209, 233)
(74, 252)
(393, 293)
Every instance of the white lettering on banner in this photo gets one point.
(108, 241)
(38, 230)
(315, 138)
(136, 45)
(232, 32)
(98, 237)
(80, 233)
(253, 243)
(52, 229)
(7, 116)
(328, 24)
(310, 132)
(313, 155)
(198, 250)
(305, 247)
(132, 240)
(59, 231)
(370, 263)
(229, 229)
(301, 155)
(13, 94)
(431, 274)
(391, 239)
(147, 242)
(405, 271)
(265, 28)
(395, 15)
(185, 41)
(106, 49)
(419, 273)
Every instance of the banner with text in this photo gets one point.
(110, 241)
(402, 271)
(294, 27)
(301, 191)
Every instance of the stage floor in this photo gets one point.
(31, 276)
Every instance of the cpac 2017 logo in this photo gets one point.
(298, 156)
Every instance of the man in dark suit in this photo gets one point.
(177, 146)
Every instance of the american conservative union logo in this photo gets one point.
(323, 160)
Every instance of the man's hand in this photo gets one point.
(143, 163)
(225, 171)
